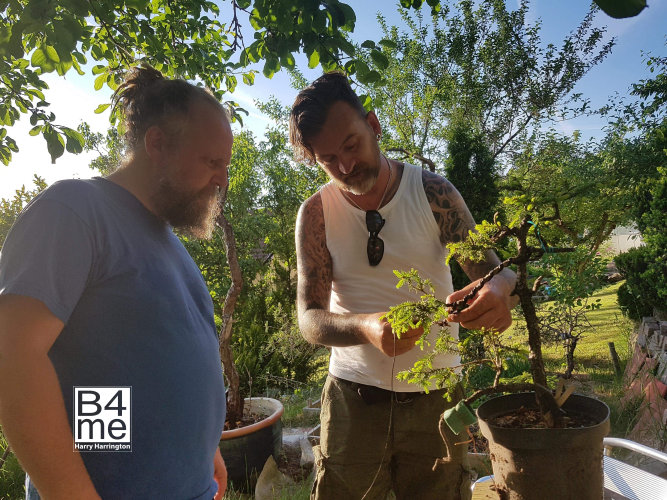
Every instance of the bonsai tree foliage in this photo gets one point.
(528, 246)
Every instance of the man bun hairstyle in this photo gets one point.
(146, 98)
(311, 107)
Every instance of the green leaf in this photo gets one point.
(35, 130)
(349, 15)
(98, 69)
(140, 5)
(390, 44)
(249, 78)
(52, 54)
(38, 59)
(54, 144)
(379, 59)
(74, 142)
(101, 108)
(366, 101)
(313, 59)
(361, 68)
(368, 44)
(269, 68)
(99, 81)
(81, 58)
(255, 18)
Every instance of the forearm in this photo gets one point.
(34, 420)
(319, 326)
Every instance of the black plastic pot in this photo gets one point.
(546, 463)
(245, 450)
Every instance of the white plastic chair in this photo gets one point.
(624, 481)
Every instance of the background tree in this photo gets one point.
(10, 208)
(265, 191)
(636, 152)
(192, 39)
(571, 182)
(484, 62)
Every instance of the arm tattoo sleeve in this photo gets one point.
(313, 258)
(454, 220)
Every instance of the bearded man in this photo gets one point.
(377, 215)
(96, 291)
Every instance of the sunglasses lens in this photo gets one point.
(374, 221)
(375, 250)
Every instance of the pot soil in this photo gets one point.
(246, 449)
(531, 463)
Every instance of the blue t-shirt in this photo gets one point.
(137, 313)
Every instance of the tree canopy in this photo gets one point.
(191, 39)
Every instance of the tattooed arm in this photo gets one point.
(317, 324)
(491, 307)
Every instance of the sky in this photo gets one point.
(73, 98)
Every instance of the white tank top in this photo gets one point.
(411, 240)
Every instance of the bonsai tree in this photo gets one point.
(428, 310)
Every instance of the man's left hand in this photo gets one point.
(489, 309)
(219, 474)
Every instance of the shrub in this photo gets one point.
(642, 290)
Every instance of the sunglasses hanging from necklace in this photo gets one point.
(374, 223)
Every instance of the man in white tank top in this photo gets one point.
(377, 215)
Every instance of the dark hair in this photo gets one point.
(147, 98)
(311, 107)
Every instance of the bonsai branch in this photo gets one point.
(460, 305)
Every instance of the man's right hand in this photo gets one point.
(380, 334)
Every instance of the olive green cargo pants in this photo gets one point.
(363, 453)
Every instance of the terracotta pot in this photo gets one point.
(546, 463)
(246, 449)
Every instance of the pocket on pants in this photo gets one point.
(315, 491)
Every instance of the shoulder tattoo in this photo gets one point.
(448, 207)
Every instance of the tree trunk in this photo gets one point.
(569, 356)
(525, 294)
(234, 399)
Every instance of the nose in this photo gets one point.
(346, 165)
(221, 178)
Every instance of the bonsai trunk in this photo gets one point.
(532, 324)
(234, 399)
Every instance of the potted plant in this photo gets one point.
(244, 447)
(539, 439)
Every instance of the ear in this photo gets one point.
(374, 123)
(155, 143)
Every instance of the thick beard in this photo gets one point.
(193, 213)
